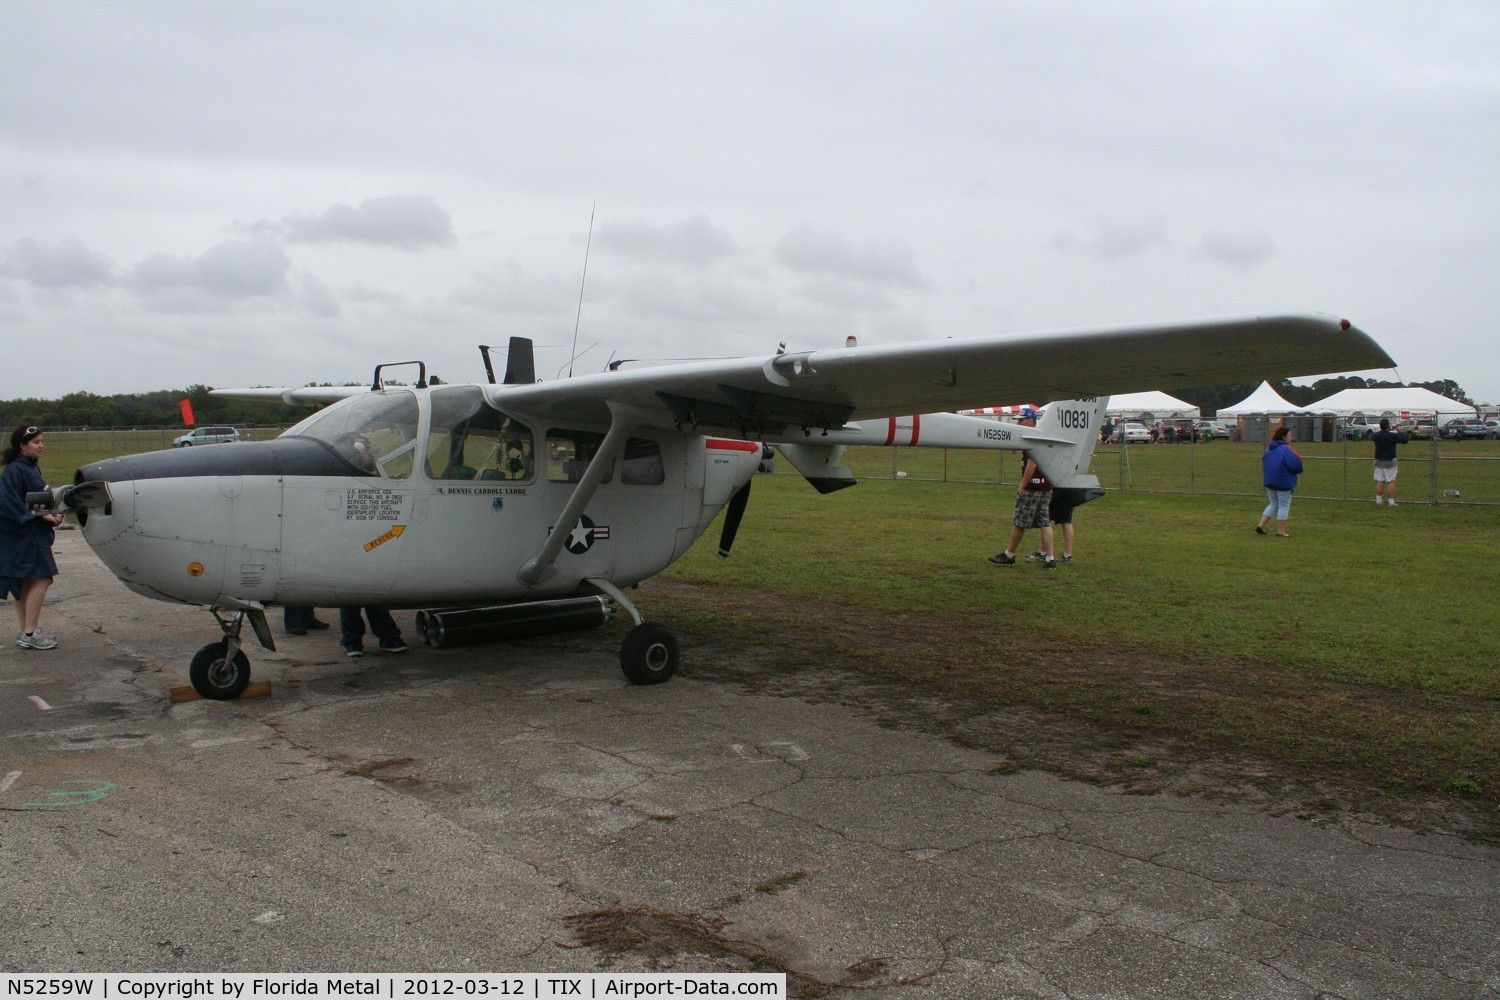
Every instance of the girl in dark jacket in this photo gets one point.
(1280, 466)
(26, 563)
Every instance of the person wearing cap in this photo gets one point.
(1033, 497)
(26, 563)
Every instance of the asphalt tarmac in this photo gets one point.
(493, 808)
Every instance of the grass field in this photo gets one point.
(1363, 648)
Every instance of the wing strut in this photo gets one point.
(624, 419)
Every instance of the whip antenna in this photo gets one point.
(573, 354)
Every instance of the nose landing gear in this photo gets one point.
(220, 670)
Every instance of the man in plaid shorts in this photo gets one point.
(1032, 500)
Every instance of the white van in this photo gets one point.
(206, 435)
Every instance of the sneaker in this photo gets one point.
(36, 640)
(1050, 564)
(296, 630)
(1068, 560)
(316, 625)
(392, 646)
(1037, 556)
(1001, 559)
(1391, 503)
(354, 652)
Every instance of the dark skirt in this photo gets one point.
(29, 558)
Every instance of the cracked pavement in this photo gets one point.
(446, 809)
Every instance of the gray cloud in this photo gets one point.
(403, 221)
(1241, 250)
(1116, 239)
(808, 250)
(695, 242)
(510, 290)
(233, 272)
(695, 299)
(68, 264)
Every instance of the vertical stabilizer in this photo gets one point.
(1064, 439)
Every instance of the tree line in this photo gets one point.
(162, 408)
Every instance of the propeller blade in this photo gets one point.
(732, 515)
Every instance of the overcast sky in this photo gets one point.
(271, 193)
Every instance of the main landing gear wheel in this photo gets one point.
(649, 654)
(219, 676)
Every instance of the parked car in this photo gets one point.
(1179, 429)
(1357, 428)
(1493, 426)
(1423, 427)
(206, 435)
(1130, 431)
(1465, 427)
(1211, 429)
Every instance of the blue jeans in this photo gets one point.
(1280, 503)
(352, 626)
(296, 615)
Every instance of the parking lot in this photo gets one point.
(521, 808)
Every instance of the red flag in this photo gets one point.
(187, 412)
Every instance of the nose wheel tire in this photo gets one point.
(218, 676)
(649, 654)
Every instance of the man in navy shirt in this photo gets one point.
(1385, 461)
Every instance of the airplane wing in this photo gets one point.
(787, 395)
(309, 395)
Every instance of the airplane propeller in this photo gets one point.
(732, 515)
(93, 495)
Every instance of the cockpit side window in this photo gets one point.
(375, 432)
(469, 439)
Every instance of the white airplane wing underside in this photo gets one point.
(786, 395)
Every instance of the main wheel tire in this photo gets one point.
(217, 676)
(649, 654)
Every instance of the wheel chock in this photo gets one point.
(186, 692)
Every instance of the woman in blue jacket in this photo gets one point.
(1280, 466)
(26, 563)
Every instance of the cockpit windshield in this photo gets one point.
(376, 431)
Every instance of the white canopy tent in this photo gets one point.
(1265, 409)
(1150, 405)
(1266, 401)
(1394, 402)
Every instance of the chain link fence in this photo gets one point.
(1436, 471)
